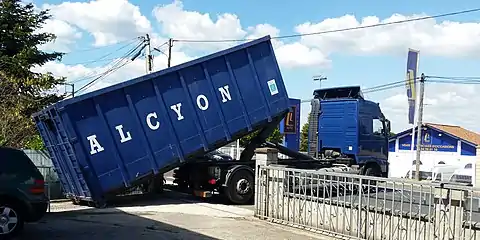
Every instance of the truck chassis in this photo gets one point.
(235, 180)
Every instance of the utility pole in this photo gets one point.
(73, 88)
(419, 125)
(170, 45)
(319, 78)
(148, 54)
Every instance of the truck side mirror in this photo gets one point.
(388, 129)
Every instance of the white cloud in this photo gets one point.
(431, 37)
(444, 103)
(181, 24)
(298, 55)
(81, 75)
(65, 34)
(109, 21)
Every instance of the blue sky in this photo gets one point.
(346, 68)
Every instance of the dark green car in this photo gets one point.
(22, 192)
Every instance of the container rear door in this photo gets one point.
(61, 153)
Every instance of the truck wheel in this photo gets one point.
(11, 220)
(101, 204)
(240, 187)
(373, 171)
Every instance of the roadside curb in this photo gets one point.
(60, 200)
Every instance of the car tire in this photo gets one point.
(8, 212)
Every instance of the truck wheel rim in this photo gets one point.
(8, 220)
(243, 186)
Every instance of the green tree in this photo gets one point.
(275, 137)
(304, 137)
(22, 91)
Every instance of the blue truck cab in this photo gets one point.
(347, 128)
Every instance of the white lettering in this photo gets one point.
(225, 92)
(176, 108)
(95, 146)
(152, 119)
(123, 138)
(149, 121)
(203, 106)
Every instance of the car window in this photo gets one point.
(13, 161)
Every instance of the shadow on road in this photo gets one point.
(169, 196)
(103, 224)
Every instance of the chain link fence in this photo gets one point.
(44, 164)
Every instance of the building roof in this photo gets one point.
(457, 131)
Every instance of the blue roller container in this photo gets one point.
(114, 138)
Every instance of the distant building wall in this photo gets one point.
(437, 148)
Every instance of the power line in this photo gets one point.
(95, 74)
(342, 29)
(117, 65)
(91, 61)
(96, 48)
(161, 51)
(103, 58)
(114, 68)
(428, 79)
(456, 78)
(455, 82)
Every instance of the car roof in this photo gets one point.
(6, 150)
(7, 153)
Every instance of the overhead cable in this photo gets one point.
(104, 57)
(115, 66)
(342, 29)
(94, 74)
(100, 47)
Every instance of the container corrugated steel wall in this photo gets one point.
(107, 139)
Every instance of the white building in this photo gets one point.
(441, 145)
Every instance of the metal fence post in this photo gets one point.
(263, 157)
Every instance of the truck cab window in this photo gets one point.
(378, 127)
(366, 125)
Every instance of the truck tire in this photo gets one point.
(373, 171)
(240, 187)
(11, 216)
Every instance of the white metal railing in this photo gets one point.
(366, 207)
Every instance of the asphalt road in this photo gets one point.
(169, 216)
